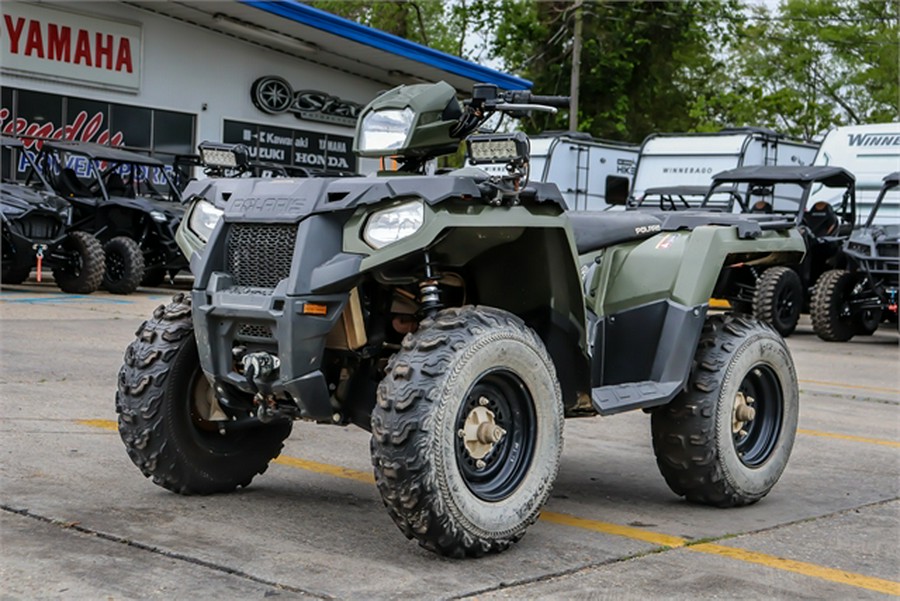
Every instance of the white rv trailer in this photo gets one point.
(591, 174)
(869, 152)
(691, 159)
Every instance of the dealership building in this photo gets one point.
(284, 78)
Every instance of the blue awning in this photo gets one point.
(338, 26)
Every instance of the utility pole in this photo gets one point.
(574, 80)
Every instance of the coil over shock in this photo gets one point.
(429, 291)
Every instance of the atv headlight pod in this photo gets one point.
(159, 216)
(203, 220)
(385, 130)
(395, 223)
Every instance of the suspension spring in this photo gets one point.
(429, 290)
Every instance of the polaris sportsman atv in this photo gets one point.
(778, 294)
(862, 293)
(35, 234)
(460, 318)
(128, 201)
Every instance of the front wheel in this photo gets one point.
(467, 431)
(726, 440)
(778, 299)
(168, 413)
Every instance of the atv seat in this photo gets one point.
(594, 230)
(70, 185)
(821, 219)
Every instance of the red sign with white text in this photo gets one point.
(57, 44)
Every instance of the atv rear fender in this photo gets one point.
(647, 302)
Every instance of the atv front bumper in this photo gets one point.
(230, 321)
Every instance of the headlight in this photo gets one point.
(204, 217)
(159, 216)
(396, 223)
(385, 130)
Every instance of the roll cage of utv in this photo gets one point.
(683, 198)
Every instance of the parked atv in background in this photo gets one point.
(128, 201)
(35, 234)
(855, 298)
(777, 294)
(460, 318)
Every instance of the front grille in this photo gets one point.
(254, 331)
(41, 228)
(259, 256)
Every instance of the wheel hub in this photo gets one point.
(480, 432)
(742, 413)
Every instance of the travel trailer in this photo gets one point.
(869, 152)
(592, 174)
(691, 159)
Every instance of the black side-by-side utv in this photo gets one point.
(778, 294)
(35, 232)
(856, 298)
(128, 201)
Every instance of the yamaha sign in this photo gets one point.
(274, 95)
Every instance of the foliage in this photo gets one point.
(674, 65)
(810, 65)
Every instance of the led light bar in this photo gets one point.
(498, 148)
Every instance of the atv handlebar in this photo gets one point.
(557, 101)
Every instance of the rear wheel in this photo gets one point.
(726, 440)
(154, 277)
(866, 322)
(832, 317)
(467, 431)
(124, 265)
(80, 264)
(779, 299)
(166, 409)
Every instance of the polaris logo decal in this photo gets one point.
(646, 229)
(885, 139)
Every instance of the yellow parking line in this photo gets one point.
(103, 424)
(851, 386)
(887, 443)
(325, 468)
(663, 540)
(801, 567)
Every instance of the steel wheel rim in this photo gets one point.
(509, 460)
(757, 439)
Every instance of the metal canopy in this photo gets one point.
(319, 37)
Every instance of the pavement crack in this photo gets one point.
(163, 552)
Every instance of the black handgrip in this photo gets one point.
(559, 101)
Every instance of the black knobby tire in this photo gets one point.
(459, 364)
(779, 299)
(124, 265)
(82, 272)
(15, 274)
(832, 318)
(161, 389)
(701, 455)
(866, 322)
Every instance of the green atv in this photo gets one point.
(460, 317)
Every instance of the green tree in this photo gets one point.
(643, 64)
(808, 65)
